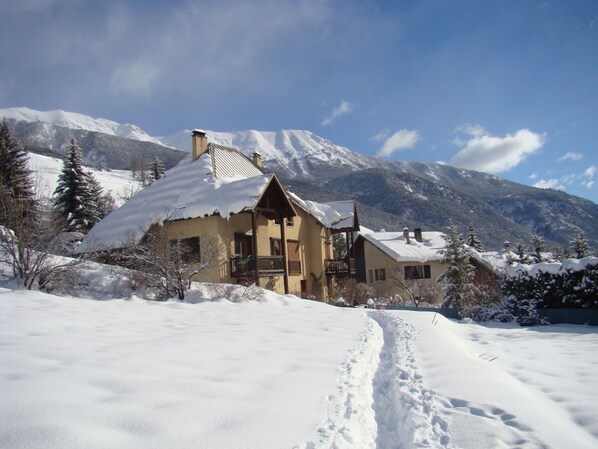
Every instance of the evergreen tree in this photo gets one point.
(156, 169)
(521, 252)
(457, 281)
(560, 253)
(537, 248)
(94, 199)
(580, 246)
(15, 176)
(473, 241)
(73, 197)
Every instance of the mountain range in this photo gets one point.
(390, 194)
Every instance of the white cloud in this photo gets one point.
(584, 179)
(571, 156)
(344, 108)
(136, 78)
(401, 140)
(590, 171)
(549, 184)
(484, 152)
(381, 136)
(534, 176)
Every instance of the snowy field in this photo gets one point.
(285, 373)
(46, 170)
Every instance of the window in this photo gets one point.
(380, 274)
(275, 248)
(243, 245)
(418, 272)
(293, 256)
(188, 249)
(290, 222)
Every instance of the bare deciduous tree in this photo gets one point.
(171, 263)
(28, 242)
(416, 291)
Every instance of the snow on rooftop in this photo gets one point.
(333, 215)
(396, 247)
(188, 190)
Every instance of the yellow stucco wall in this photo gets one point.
(377, 259)
(310, 234)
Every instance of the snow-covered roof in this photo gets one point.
(191, 189)
(551, 267)
(332, 215)
(396, 247)
(493, 260)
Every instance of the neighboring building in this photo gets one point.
(400, 263)
(218, 191)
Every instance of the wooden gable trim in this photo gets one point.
(274, 202)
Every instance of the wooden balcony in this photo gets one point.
(267, 266)
(339, 267)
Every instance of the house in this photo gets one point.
(406, 263)
(219, 192)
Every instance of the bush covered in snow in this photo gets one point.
(568, 284)
(528, 288)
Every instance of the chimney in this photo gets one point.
(406, 235)
(507, 246)
(257, 159)
(418, 234)
(200, 143)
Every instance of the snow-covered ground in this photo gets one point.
(120, 183)
(282, 373)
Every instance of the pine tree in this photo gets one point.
(94, 199)
(537, 248)
(156, 169)
(580, 246)
(473, 241)
(457, 281)
(73, 197)
(16, 179)
(521, 252)
(560, 253)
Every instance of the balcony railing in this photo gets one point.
(339, 267)
(267, 266)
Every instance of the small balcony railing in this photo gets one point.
(266, 265)
(339, 267)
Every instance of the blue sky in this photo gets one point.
(507, 87)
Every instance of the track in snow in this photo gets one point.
(405, 412)
(380, 400)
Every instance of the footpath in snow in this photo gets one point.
(285, 373)
(419, 380)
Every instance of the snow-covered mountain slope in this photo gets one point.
(410, 193)
(119, 183)
(74, 120)
(295, 152)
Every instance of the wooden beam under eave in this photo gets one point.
(284, 252)
(256, 273)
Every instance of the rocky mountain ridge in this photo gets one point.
(390, 194)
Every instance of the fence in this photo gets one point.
(554, 316)
(447, 313)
